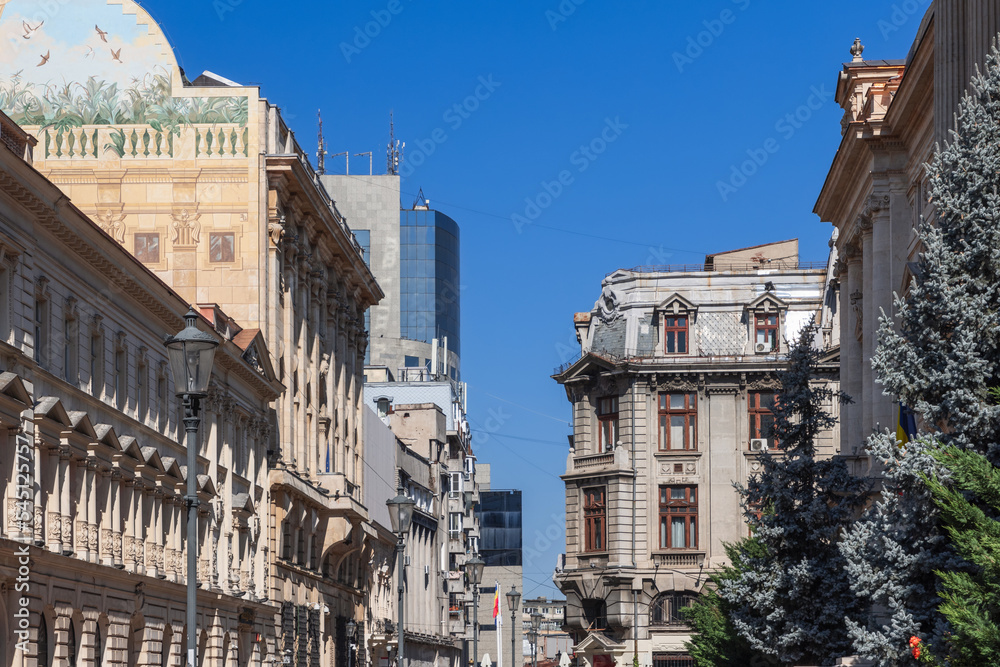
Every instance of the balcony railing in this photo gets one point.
(216, 141)
(593, 461)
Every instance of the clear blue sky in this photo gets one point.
(646, 192)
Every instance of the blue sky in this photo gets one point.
(607, 127)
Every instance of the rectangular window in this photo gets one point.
(678, 422)
(41, 330)
(411, 362)
(594, 519)
(222, 247)
(161, 401)
(607, 415)
(666, 609)
(457, 485)
(70, 331)
(675, 335)
(121, 368)
(760, 406)
(96, 365)
(147, 248)
(455, 524)
(766, 333)
(672, 660)
(678, 517)
(142, 391)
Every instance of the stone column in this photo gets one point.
(82, 515)
(869, 327)
(93, 528)
(882, 257)
(852, 362)
(115, 497)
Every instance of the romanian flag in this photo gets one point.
(906, 426)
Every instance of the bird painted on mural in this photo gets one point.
(45, 59)
(17, 74)
(89, 53)
(29, 32)
(104, 35)
(116, 55)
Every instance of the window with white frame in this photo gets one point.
(455, 523)
(457, 485)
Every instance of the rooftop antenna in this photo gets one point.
(321, 153)
(420, 202)
(369, 154)
(394, 156)
(347, 156)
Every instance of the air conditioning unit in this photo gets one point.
(758, 445)
(763, 347)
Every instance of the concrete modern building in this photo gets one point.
(414, 254)
(501, 540)
(204, 183)
(895, 111)
(671, 405)
(93, 546)
(552, 641)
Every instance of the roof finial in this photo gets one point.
(857, 49)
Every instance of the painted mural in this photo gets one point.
(74, 63)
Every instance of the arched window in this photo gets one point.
(42, 651)
(666, 609)
(98, 646)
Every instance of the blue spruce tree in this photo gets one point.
(791, 596)
(941, 361)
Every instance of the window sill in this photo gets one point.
(677, 452)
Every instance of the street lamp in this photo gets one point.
(352, 631)
(514, 602)
(536, 623)
(191, 353)
(400, 514)
(474, 571)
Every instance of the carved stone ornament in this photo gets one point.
(275, 230)
(765, 383)
(875, 203)
(187, 229)
(607, 305)
(674, 383)
(252, 357)
(113, 224)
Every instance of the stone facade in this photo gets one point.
(205, 184)
(93, 546)
(876, 191)
(670, 407)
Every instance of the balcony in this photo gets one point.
(216, 141)
(589, 463)
(680, 559)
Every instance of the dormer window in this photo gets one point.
(676, 316)
(764, 315)
(675, 334)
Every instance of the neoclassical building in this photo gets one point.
(93, 541)
(203, 183)
(875, 193)
(671, 401)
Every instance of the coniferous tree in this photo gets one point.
(941, 362)
(715, 642)
(790, 599)
(969, 509)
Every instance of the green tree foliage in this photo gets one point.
(716, 642)
(790, 598)
(969, 509)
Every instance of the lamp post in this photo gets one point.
(514, 602)
(474, 571)
(400, 514)
(352, 630)
(191, 353)
(536, 623)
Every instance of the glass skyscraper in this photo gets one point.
(429, 274)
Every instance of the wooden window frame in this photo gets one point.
(757, 413)
(766, 327)
(607, 423)
(672, 334)
(690, 414)
(144, 256)
(212, 236)
(671, 508)
(595, 519)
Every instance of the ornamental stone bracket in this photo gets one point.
(187, 229)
